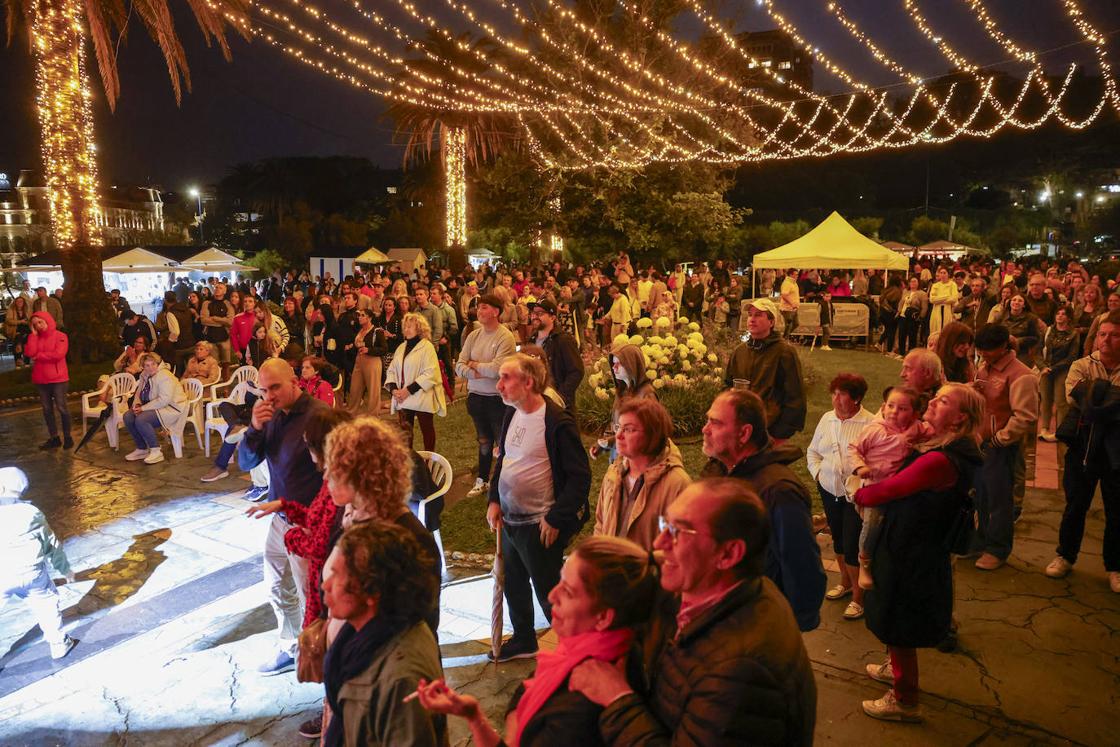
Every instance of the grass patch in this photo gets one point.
(83, 376)
(464, 524)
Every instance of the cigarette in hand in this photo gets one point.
(411, 696)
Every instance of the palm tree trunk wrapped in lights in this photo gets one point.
(57, 31)
(454, 141)
(63, 99)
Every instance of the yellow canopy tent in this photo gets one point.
(372, 256)
(832, 245)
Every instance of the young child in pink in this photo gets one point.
(877, 453)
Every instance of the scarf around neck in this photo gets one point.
(349, 656)
(554, 667)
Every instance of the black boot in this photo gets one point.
(68, 443)
(51, 443)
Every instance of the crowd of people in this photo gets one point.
(702, 587)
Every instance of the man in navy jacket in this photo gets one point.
(736, 442)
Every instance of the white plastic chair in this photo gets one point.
(214, 420)
(442, 475)
(120, 387)
(338, 391)
(242, 374)
(193, 388)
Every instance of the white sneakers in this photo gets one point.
(149, 456)
(480, 488)
(1059, 568)
(888, 708)
(825, 348)
(1047, 436)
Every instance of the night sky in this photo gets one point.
(264, 104)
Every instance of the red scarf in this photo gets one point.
(554, 667)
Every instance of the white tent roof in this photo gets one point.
(833, 244)
(138, 260)
(408, 255)
(372, 256)
(214, 260)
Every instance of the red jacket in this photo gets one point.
(47, 350)
(242, 330)
(310, 539)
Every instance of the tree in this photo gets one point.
(464, 137)
(57, 31)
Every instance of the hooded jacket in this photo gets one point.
(47, 351)
(774, 371)
(633, 360)
(26, 540)
(793, 558)
(662, 482)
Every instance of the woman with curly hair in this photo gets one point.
(377, 588)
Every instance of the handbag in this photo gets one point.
(312, 650)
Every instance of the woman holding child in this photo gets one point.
(923, 505)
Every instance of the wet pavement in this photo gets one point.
(172, 619)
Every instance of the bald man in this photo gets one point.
(275, 436)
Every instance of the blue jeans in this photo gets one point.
(142, 428)
(995, 484)
(53, 397)
(36, 587)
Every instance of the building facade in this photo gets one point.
(128, 214)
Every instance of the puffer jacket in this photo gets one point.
(47, 351)
(774, 371)
(738, 674)
(662, 482)
(793, 557)
(166, 397)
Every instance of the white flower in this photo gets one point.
(645, 323)
(694, 326)
(658, 383)
(670, 341)
(680, 379)
(682, 351)
(655, 340)
(663, 322)
(666, 378)
(602, 394)
(651, 374)
(682, 320)
(700, 350)
(636, 340)
(621, 340)
(594, 380)
(712, 357)
(686, 366)
(699, 337)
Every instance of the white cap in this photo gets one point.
(13, 481)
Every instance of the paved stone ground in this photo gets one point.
(171, 615)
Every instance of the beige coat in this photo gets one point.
(664, 480)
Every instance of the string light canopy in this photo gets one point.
(625, 88)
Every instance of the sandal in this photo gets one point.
(853, 611)
(838, 592)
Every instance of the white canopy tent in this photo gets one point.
(213, 260)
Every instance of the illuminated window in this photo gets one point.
(785, 65)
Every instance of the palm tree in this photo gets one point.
(464, 136)
(57, 32)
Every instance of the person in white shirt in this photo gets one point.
(538, 495)
(483, 352)
(26, 544)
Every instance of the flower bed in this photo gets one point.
(685, 366)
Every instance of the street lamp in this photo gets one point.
(198, 196)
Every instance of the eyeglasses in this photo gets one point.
(664, 525)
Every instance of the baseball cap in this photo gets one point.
(545, 305)
(765, 304)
